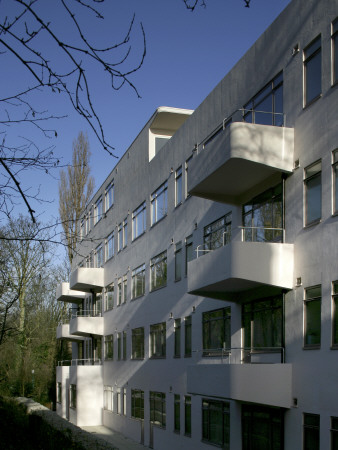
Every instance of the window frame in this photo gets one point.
(109, 196)
(189, 251)
(178, 186)
(99, 256)
(335, 179)
(312, 429)
(157, 409)
(119, 292)
(109, 347)
(334, 339)
(58, 392)
(334, 47)
(108, 398)
(98, 210)
(158, 271)
(72, 396)
(208, 406)
(109, 303)
(188, 337)
(307, 58)
(177, 413)
(138, 274)
(178, 261)
(110, 246)
(334, 432)
(139, 214)
(137, 404)
(187, 415)
(186, 170)
(310, 177)
(207, 328)
(177, 338)
(137, 343)
(155, 199)
(307, 301)
(223, 225)
(157, 340)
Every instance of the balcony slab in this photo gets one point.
(87, 279)
(85, 326)
(62, 332)
(240, 158)
(65, 294)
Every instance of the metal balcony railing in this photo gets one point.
(245, 355)
(248, 234)
(81, 362)
(87, 313)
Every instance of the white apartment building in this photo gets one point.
(205, 290)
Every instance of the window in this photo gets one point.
(335, 50)
(99, 256)
(82, 229)
(262, 322)
(263, 217)
(125, 284)
(216, 331)
(119, 346)
(137, 404)
(157, 408)
(125, 232)
(109, 297)
(177, 413)
(90, 260)
(97, 306)
(187, 336)
(312, 71)
(72, 396)
(137, 343)
(311, 424)
(187, 163)
(334, 433)
(139, 220)
(124, 345)
(313, 193)
(109, 196)
(98, 211)
(178, 261)
(217, 233)
(187, 415)
(108, 398)
(159, 203)
(158, 340)
(110, 246)
(158, 271)
(119, 291)
(109, 347)
(119, 237)
(89, 221)
(312, 319)
(177, 331)
(118, 401)
(266, 107)
(124, 401)
(59, 392)
(335, 180)
(335, 314)
(138, 281)
(189, 252)
(178, 186)
(216, 423)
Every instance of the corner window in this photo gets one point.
(335, 314)
(109, 196)
(110, 246)
(137, 404)
(157, 408)
(159, 203)
(109, 347)
(72, 396)
(335, 51)
(158, 340)
(178, 261)
(313, 193)
(312, 317)
(137, 343)
(139, 220)
(216, 331)
(187, 336)
(311, 424)
(178, 186)
(138, 281)
(158, 271)
(177, 331)
(312, 71)
(216, 423)
(109, 297)
(98, 211)
(335, 180)
(266, 107)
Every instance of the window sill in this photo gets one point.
(311, 102)
(313, 223)
(157, 357)
(137, 359)
(139, 236)
(178, 204)
(178, 279)
(159, 287)
(334, 347)
(139, 296)
(107, 310)
(158, 221)
(187, 356)
(311, 347)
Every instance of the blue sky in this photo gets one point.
(187, 55)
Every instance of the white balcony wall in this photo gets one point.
(87, 279)
(62, 332)
(85, 326)
(65, 294)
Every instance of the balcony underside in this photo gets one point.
(240, 160)
(240, 269)
(86, 326)
(62, 332)
(87, 279)
(266, 384)
(65, 294)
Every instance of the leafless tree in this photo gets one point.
(51, 62)
(192, 4)
(75, 190)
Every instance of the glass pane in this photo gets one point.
(313, 199)
(313, 322)
(335, 57)
(313, 75)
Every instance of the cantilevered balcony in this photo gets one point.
(87, 279)
(65, 294)
(239, 266)
(62, 332)
(86, 323)
(238, 158)
(229, 377)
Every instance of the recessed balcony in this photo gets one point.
(237, 267)
(62, 332)
(85, 323)
(65, 294)
(239, 158)
(266, 384)
(87, 279)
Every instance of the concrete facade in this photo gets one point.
(219, 308)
